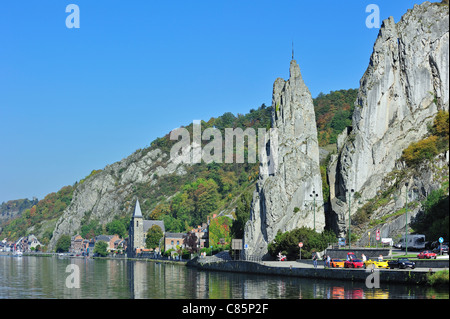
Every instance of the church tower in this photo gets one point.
(136, 233)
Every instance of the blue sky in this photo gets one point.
(74, 100)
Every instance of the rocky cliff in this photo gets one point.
(404, 86)
(289, 168)
(109, 192)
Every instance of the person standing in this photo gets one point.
(314, 258)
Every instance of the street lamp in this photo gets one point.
(406, 219)
(314, 195)
(349, 220)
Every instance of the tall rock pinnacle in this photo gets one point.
(289, 168)
(404, 86)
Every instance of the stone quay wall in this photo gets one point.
(386, 276)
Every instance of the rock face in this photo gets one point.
(289, 168)
(401, 91)
(103, 196)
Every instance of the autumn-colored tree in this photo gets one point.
(420, 151)
(159, 211)
(190, 242)
(428, 148)
(220, 228)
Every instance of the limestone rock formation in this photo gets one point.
(104, 195)
(404, 86)
(289, 168)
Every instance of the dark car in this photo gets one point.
(401, 263)
(437, 250)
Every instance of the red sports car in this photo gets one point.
(354, 263)
(426, 254)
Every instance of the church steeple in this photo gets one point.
(136, 233)
(137, 210)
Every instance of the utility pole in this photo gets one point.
(349, 219)
(406, 219)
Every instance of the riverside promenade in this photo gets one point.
(306, 270)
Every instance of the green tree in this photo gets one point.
(288, 242)
(242, 213)
(116, 227)
(433, 222)
(154, 234)
(101, 248)
(63, 244)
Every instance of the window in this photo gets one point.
(171, 242)
(178, 242)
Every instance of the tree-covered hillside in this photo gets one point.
(333, 114)
(185, 201)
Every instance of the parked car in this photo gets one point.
(437, 250)
(353, 263)
(426, 254)
(378, 264)
(281, 257)
(351, 255)
(336, 263)
(401, 263)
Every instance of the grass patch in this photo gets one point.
(439, 278)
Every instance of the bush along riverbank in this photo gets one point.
(438, 279)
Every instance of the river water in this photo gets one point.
(50, 277)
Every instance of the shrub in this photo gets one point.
(417, 152)
(439, 278)
(101, 248)
(288, 242)
(63, 244)
(429, 147)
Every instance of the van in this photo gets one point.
(415, 242)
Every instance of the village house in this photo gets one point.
(202, 235)
(174, 241)
(27, 243)
(77, 244)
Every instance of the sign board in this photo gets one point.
(378, 234)
(300, 244)
(246, 246)
(236, 244)
(441, 240)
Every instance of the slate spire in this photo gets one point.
(137, 210)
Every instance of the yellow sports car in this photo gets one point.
(378, 264)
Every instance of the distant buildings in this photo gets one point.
(139, 228)
(24, 244)
(133, 245)
(79, 245)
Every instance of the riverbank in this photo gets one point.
(305, 270)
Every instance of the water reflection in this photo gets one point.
(45, 277)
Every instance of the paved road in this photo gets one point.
(295, 264)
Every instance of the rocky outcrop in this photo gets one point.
(289, 168)
(107, 194)
(401, 91)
